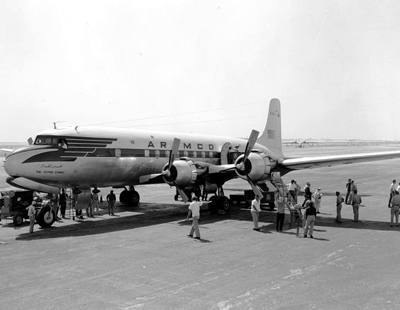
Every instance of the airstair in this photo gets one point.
(280, 185)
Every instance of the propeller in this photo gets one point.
(249, 147)
(242, 166)
(172, 156)
(168, 173)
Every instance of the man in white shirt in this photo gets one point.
(194, 211)
(31, 214)
(255, 210)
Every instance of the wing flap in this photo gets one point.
(335, 160)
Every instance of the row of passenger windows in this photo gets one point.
(149, 153)
(190, 154)
(104, 152)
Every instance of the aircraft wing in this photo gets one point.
(335, 160)
(218, 172)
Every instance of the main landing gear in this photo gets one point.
(219, 204)
(129, 197)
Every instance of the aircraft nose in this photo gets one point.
(12, 163)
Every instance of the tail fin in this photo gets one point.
(272, 135)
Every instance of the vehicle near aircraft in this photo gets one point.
(13, 204)
(87, 157)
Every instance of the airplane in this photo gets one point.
(85, 157)
(301, 143)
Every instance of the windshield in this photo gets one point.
(46, 140)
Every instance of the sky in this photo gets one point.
(204, 67)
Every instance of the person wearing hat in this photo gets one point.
(31, 213)
(317, 199)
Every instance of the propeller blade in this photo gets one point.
(174, 151)
(250, 143)
(182, 194)
(255, 188)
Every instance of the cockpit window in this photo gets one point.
(42, 140)
(62, 143)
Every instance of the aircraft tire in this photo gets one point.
(213, 205)
(45, 217)
(224, 204)
(124, 197)
(18, 219)
(135, 198)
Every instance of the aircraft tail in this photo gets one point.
(272, 135)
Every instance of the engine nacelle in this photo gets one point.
(182, 173)
(257, 166)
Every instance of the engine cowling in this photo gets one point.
(257, 167)
(182, 173)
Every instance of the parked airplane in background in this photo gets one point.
(301, 143)
(87, 157)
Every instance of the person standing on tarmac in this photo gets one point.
(307, 193)
(194, 211)
(255, 210)
(111, 201)
(392, 189)
(317, 199)
(63, 203)
(95, 201)
(310, 215)
(32, 214)
(355, 202)
(280, 211)
(339, 201)
(395, 207)
(292, 189)
(348, 190)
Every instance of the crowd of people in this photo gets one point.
(304, 215)
(58, 204)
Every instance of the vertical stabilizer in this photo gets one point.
(272, 135)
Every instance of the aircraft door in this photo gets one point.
(225, 153)
(229, 154)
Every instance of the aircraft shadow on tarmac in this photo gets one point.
(148, 214)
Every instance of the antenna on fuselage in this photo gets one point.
(76, 129)
(55, 124)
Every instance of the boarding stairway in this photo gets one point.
(280, 185)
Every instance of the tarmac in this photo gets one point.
(142, 259)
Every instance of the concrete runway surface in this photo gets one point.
(142, 259)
